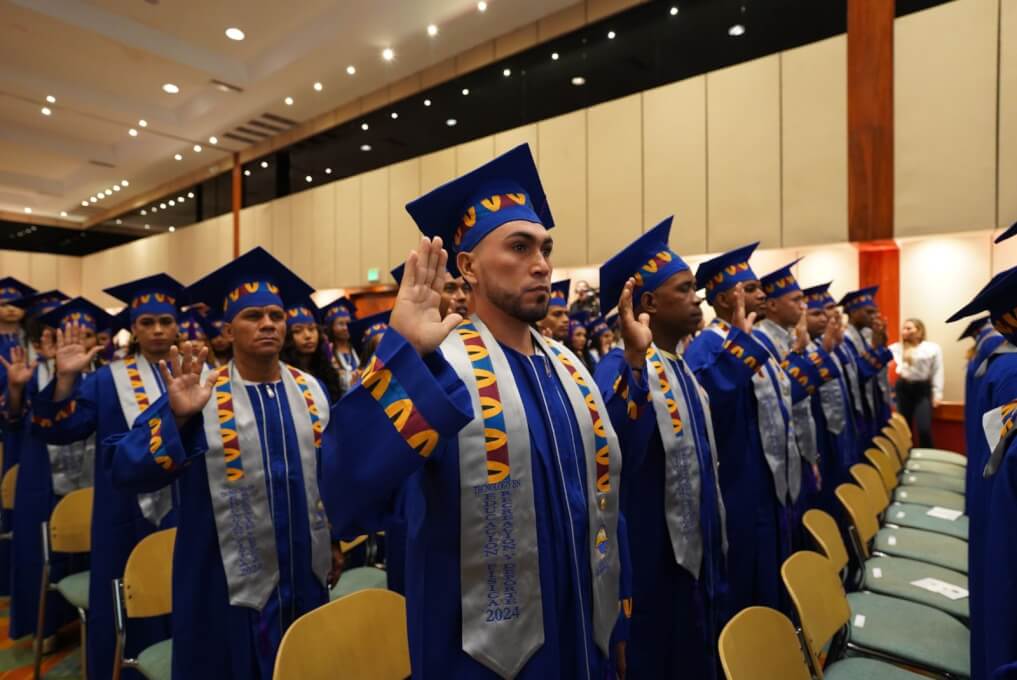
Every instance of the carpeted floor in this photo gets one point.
(16, 655)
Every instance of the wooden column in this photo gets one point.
(879, 265)
(237, 201)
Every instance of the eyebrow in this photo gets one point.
(527, 236)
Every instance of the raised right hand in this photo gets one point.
(416, 316)
(71, 356)
(19, 370)
(739, 320)
(182, 377)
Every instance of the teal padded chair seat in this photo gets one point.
(359, 578)
(923, 495)
(924, 546)
(935, 467)
(910, 632)
(893, 576)
(74, 588)
(917, 517)
(941, 456)
(932, 480)
(858, 668)
(156, 662)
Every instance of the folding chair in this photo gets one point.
(760, 643)
(358, 578)
(903, 514)
(362, 634)
(69, 530)
(903, 431)
(891, 576)
(872, 625)
(145, 590)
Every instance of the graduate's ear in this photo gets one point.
(465, 261)
(227, 331)
(647, 302)
(723, 300)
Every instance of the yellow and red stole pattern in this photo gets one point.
(408, 421)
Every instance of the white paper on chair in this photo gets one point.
(877, 572)
(944, 513)
(948, 590)
(912, 478)
(859, 620)
(892, 540)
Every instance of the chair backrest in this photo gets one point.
(760, 643)
(899, 447)
(863, 517)
(881, 462)
(824, 531)
(871, 482)
(346, 547)
(7, 486)
(148, 576)
(900, 423)
(70, 523)
(363, 634)
(818, 596)
(887, 447)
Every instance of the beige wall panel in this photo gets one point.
(473, 154)
(938, 275)
(743, 137)
(348, 271)
(674, 161)
(561, 22)
(43, 269)
(616, 175)
(598, 9)
(437, 74)
(516, 41)
(403, 187)
(437, 168)
(17, 263)
(508, 140)
(945, 118)
(562, 163)
(281, 223)
(1004, 255)
(324, 234)
(1008, 114)
(224, 239)
(374, 222)
(69, 275)
(302, 234)
(836, 262)
(814, 135)
(477, 57)
(183, 256)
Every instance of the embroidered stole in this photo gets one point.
(831, 398)
(999, 426)
(135, 380)
(857, 343)
(235, 463)
(71, 466)
(502, 622)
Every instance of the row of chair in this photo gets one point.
(887, 627)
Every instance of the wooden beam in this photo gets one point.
(879, 265)
(41, 220)
(870, 119)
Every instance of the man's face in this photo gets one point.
(786, 310)
(455, 297)
(675, 304)
(341, 330)
(511, 269)
(103, 338)
(863, 316)
(557, 322)
(305, 337)
(220, 344)
(755, 298)
(155, 333)
(257, 331)
(87, 337)
(816, 320)
(11, 314)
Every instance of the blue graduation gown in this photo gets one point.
(869, 363)
(10, 458)
(997, 636)
(988, 341)
(360, 493)
(838, 452)
(34, 500)
(676, 618)
(756, 546)
(211, 638)
(117, 522)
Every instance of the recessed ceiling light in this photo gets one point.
(578, 80)
(100, 196)
(365, 147)
(466, 91)
(132, 132)
(308, 179)
(155, 208)
(288, 101)
(119, 221)
(234, 33)
(63, 213)
(124, 183)
(318, 87)
(264, 164)
(84, 204)
(172, 202)
(674, 11)
(116, 187)
(427, 102)
(365, 127)
(144, 212)
(611, 35)
(108, 192)
(481, 6)
(213, 140)
(93, 199)
(172, 228)
(190, 194)
(162, 206)
(170, 88)
(451, 122)
(247, 173)
(328, 171)
(432, 30)
(351, 69)
(51, 99)
(394, 115)
(142, 123)
(507, 72)
(46, 111)
(180, 199)
(28, 210)
(148, 226)
(736, 30)
(554, 56)
(388, 54)
(178, 157)
(197, 148)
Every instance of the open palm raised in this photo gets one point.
(71, 356)
(19, 370)
(188, 394)
(416, 316)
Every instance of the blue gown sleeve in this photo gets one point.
(405, 410)
(725, 366)
(69, 420)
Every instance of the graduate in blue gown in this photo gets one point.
(102, 404)
(869, 361)
(987, 340)
(556, 324)
(307, 349)
(499, 441)
(670, 494)
(337, 317)
(220, 349)
(253, 550)
(733, 367)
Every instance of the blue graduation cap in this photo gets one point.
(364, 329)
(255, 279)
(560, 293)
(305, 312)
(398, 272)
(648, 259)
(211, 321)
(121, 321)
(612, 320)
(38, 304)
(1011, 230)
(189, 325)
(725, 271)
(818, 297)
(77, 311)
(470, 207)
(975, 327)
(856, 299)
(343, 308)
(780, 282)
(12, 289)
(999, 298)
(597, 327)
(157, 294)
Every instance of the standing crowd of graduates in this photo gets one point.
(562, 496)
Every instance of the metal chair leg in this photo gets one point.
(43, 593)
(83, 617)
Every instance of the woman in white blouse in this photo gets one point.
(919, 378)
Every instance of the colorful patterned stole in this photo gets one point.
(999, 426)
(236, 481)
(831, 397)
(502, 619)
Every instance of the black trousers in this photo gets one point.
(914, 400)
